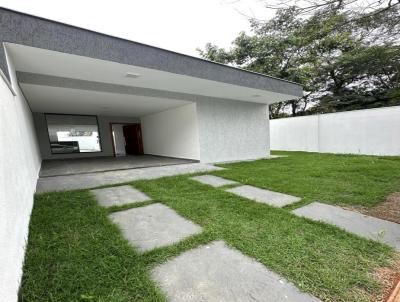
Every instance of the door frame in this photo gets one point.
(111, 133)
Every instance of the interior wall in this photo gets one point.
(19, 167)
(172, 133)
(232, 131)
(370, 131)
(104, 132)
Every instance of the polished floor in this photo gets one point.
(58, 167)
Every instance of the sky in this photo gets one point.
(177, 25)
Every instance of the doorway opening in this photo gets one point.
(127, 139)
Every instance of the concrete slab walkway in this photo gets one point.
(214, 181)
(90, 180)
(117, 196)
(69, 166)
(353, 222)
(264, 196)
(217, 273)
(153, 226)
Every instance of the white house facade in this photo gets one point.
(66, 92)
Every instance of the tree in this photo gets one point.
(344, 59)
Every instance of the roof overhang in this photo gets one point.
(59, 64)
(20, 28)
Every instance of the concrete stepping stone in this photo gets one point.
(214, 181)
(217, 273)
(353, 222)
(117, 196)
(264, 196)
(153, 226)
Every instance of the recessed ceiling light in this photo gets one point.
(256, 95)
(132, 75)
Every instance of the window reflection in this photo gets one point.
(73, 133)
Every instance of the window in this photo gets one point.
(73, 133)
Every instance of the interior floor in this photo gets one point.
(57, 167)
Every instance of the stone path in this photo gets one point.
(217, 273)
(91, 180)
(214, 181)
(353, 222)
(213, 273)
(153, 226)
(118, 196)
(264, 196)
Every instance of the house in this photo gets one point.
(67, 92)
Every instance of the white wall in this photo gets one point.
(19, 167)
(295, 134)
(232, 131)
(172, 133)
(369, 131)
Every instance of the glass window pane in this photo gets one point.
(73, 133)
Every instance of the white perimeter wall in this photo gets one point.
(370, 131)
(172, 133)
(232, 131)
(19, 167)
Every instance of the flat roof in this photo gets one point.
(25, 29)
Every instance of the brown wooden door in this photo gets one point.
(133, 139)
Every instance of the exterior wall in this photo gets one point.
(19, 168)
(232, 131)
(295, 134)
(370, 131)
(172, 133)
(104, 131)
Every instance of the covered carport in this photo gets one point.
(64, 90)
(85, 101)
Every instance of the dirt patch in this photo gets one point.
(388, 210)
(388, 278)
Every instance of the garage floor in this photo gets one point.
(57, 167)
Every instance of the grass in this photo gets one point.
(75, 254)
(336, 179)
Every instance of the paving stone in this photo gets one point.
(117, 196)
(217, 273)
(276, 156)
(214, 181)
(90, 180)
(153, 226)
(264, 196)
(353, 222)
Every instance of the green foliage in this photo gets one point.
(344, 59)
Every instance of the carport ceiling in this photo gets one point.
(65, 83)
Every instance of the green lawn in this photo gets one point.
(75, 253)
(336, 179)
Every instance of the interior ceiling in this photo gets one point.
(48, 98)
